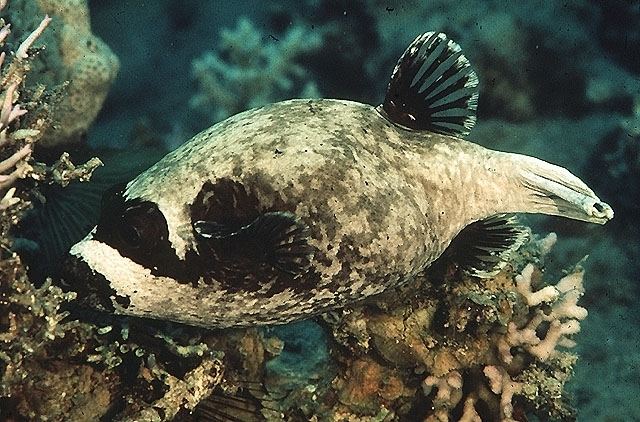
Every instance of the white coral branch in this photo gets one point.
(9, 199)
(564, 317)
(15, 158)
(4, 33)
(448, 395)
(502, 384)
(22, 51)
(15, 166)
(523, 285)
(7, 110)
(469, 412)
(20, 170)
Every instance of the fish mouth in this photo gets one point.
(555, 190)
(599, 212)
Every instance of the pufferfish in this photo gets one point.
(296, 208)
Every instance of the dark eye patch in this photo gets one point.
(142, 227)
(134, 226)
(139, 231)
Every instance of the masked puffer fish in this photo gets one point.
(289, 210)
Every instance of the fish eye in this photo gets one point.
(139, 228)
(131, 235)
(134, 227)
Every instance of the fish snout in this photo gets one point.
(599, 210)
(555, 190)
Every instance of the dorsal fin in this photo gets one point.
(433, 87)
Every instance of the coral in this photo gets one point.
(563, 316)
(74, 58)
(30, 316)
(22, 121)
(476, 349)
(53, 366)
(251, 70)
(15, 142)
(24, 332)
(182, 393)
(56, 367)
(36, 350)
(369, 388)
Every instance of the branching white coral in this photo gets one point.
(250, 69)
(12, 138)
(563, 318)
(448, 396)
(502, 384)
(516, 360)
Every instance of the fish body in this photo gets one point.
(289, 210)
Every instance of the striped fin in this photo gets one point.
(482, 248)
(250, 403)
(433, 87)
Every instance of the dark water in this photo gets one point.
(559, 80)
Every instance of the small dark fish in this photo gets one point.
(355, 199)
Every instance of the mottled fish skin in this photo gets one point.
(382, 203)
(363, 185)
(377, 203)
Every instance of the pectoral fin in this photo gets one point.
(277, 238)
(482, 248)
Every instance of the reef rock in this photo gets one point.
(74, 59)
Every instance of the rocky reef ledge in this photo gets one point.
(444, 347)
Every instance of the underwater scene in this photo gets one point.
(319, 210)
